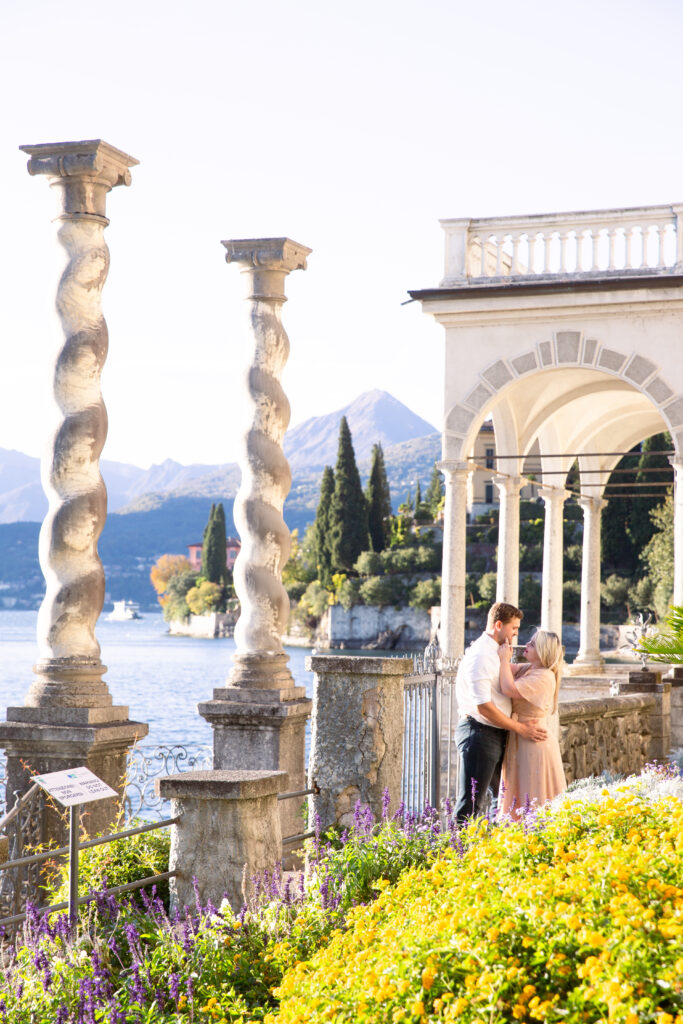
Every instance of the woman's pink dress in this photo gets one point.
(532, 771)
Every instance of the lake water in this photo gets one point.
(160, 677)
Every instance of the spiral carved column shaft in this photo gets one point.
(259, 717)
(67, 717)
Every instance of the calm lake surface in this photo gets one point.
(160, 677)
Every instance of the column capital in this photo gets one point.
(510, 484)
(266, 262)
(554, 493)
(676, 461)
(590, 503)
(454, 467)
(84, 171)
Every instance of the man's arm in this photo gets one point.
(529, 730)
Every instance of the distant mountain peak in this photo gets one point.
(375, 417)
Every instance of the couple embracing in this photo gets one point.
(503, 737)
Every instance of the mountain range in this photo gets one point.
(164, 508)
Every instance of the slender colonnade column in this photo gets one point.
(553, 550)
(259, 717)
(454, 549)
(507, 581)
(69, 691)
(589, 639)
(677, 463)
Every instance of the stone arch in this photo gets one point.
(565, 349)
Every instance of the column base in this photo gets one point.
(591, 662)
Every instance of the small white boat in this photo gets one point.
(124, 611)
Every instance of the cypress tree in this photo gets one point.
(434, 492)
(418, 498)
(378, 497)
(348, 509)
(321, 528)
(615, 533)
(214, 567)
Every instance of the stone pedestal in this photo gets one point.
(68, 717)
(229, 827)
(259, 718)
(650, 681)
(357, 734)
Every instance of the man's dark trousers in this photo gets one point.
(481, 749)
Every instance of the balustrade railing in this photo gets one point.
(641, 239)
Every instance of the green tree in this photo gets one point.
(641, 525)
(616, 544)
(175, 605)
(434, 496)
(658, 555)
(205, 597)
(348, 517)
(214, 562)
(321, 528)
(378, 497)
(425, 594)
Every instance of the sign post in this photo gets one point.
(71, 788)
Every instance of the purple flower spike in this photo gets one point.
(386, 800)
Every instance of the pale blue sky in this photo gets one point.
(352, 129)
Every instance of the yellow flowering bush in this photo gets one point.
(576, 916)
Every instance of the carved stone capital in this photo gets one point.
(550, 494)
(511, 485)
(591, 504)
(83, 172)
(266, 263)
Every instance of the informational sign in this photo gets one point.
(74, 786)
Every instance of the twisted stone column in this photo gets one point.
(589, 631)
(59, 724)
(259, 717)
(553, 552)
(452, 634)
(507, 579)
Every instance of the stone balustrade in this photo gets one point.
(641, 239)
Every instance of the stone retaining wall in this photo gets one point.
(612, 734)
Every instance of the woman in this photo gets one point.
(532, 771)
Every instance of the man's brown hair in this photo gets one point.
(502, 612)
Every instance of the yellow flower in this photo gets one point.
(428, 976)
(418, 1008)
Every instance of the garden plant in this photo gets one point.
(573, 913)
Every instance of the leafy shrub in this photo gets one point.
(571, 599)
(487, 587)
(476, 563)
(349, 594)
(379, 590)
(118, 863)
(369, 563)
(425, 594)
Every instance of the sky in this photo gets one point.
(349, 128)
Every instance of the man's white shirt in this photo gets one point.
(477, 681)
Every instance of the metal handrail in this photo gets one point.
(296, 839)
(299, 792)
(21, 802)
(36, 858)
(18, 918)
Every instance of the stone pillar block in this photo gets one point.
(262, 729)
(676, 680)
(357, 734)
(650, 681)
(228, 823)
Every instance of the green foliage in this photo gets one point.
(530, 598)
(615, 591)
(573, 557)
(378, 499)
(316, 599)
(531, 557)
(380, 591)
(175, 606)
(113, 864)
(667, 644)
(571, 600)
(658, 555)
(434, 497)
(370, 563)
(214, 565)
(301, 568)
(487, 587)
(348, 594)
(641, 595)
(348, 517)
(425, 594)
(641, 524)
(321, 528)
(206, 597)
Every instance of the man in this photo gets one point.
(484, 713)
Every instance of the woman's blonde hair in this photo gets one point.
(551, 652)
